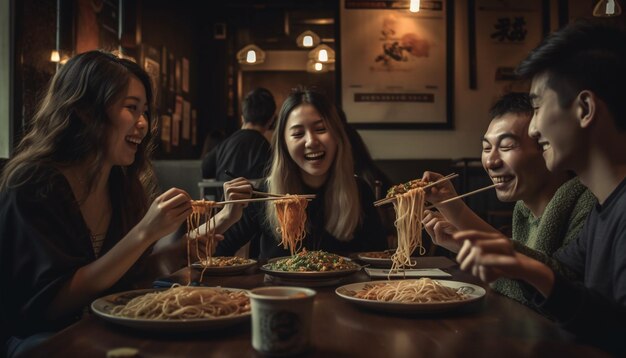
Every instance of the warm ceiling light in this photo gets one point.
(607, 8)
(251, 55)
(316, 67)
(55, 56)
(414, 6)
(322, 53)
(307, 39)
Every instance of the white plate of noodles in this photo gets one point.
(228, 307)
(411, 296)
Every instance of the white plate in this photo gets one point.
(308, 275)
(102, 308)
(475, 293)
(224, 269)
(378, 261)
(410, 273)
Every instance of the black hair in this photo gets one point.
(258, 107)
(585, 55)
(513, 102)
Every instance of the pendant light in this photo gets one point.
(307, 39)
(323, 54)
(251, 55)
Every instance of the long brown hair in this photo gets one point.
(342, 207)
(70, 124)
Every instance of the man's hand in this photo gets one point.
(440, 230)
(440, 192)
(490, 256)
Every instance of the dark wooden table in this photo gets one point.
(494, 326)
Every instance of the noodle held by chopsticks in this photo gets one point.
(201, 211)
(291, 213)
(409, 209)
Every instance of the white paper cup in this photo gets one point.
(281, 319)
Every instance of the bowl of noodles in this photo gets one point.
(176, 309)
(411, 296)
(224, 264)
(311, 265)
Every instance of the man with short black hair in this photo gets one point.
(246, 153)
(550, 208)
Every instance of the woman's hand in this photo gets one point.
(440, 230)
(440, 192)
(168, 211)
(236, 189)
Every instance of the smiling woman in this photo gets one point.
(78, 213)
(312, 155)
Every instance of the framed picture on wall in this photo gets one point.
(185, 75)
(501, 34)
(151, 62)
(397, 66)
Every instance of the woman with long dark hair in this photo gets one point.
(78, 210)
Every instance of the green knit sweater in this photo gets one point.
(541, 237)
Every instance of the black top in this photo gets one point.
(264, 244)
(43, 241)
(595, 310)
(246, 153)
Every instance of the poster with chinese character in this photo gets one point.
(506, 31)
(396, 66)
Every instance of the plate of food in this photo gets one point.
(224, 264)
(378, 258)
(207, 308)
(311, 265)
(411, 296)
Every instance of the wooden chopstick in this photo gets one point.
(388, 200)
(260, 193)
(252, 200)
(461, 196)
(447, 177)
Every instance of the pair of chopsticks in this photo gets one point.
(389, 200)
(461, 196)
(268, 198)
(264, 196)
(252, 200)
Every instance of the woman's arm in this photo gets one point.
(235, 189)
(165, 214)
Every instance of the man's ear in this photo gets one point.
(587, 103)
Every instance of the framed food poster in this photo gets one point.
(397, 66)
